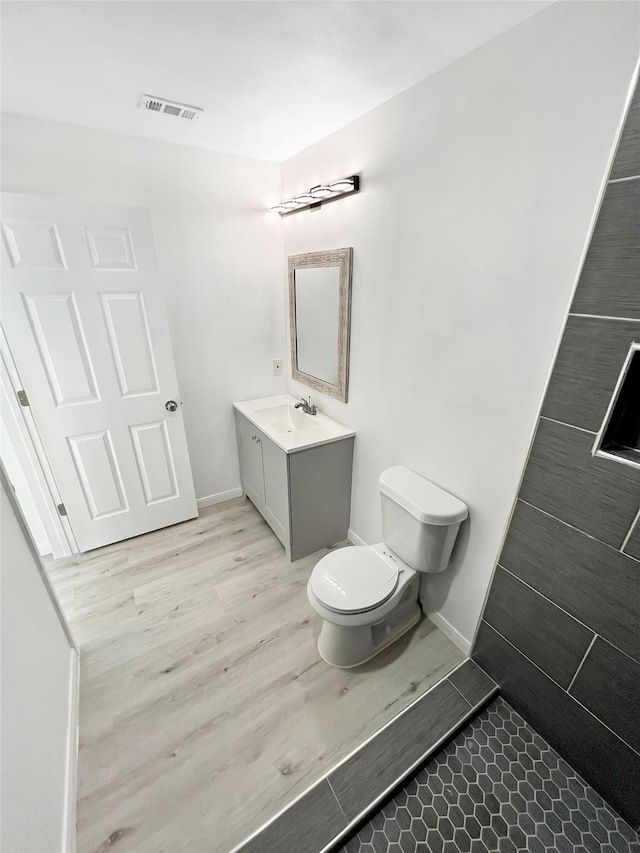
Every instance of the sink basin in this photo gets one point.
(290, 428)
(287, 418)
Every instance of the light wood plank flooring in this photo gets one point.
(204, 705)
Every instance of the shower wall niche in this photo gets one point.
(619, 437)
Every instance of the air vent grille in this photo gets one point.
(162, 105)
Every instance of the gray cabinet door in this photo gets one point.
(276, 489)
(320, 496)
(250, 448)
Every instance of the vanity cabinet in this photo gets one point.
(250, 449)
(304, 495)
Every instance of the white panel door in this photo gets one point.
(86, 324)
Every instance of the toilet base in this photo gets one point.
(346, 646)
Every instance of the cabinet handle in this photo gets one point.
(253, 437)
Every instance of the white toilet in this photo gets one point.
(368, 595)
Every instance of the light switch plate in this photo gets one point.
(277, 366)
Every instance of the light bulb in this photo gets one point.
(320, 192)
(342, 186)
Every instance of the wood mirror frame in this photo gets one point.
(341, 258)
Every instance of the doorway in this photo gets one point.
(86, 332)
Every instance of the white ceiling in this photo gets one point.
(273, 77)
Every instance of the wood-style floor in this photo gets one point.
(204, 705)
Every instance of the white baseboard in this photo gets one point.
(71, 787)
(210, 500)
(354, 538)
(44, 549)
(449, 631)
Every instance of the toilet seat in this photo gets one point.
(355, 580)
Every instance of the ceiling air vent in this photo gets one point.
(161, 105)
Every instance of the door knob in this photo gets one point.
(171, 405)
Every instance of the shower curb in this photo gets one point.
(324, 813)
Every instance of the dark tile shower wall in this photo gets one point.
(496, 787)
(561, 627)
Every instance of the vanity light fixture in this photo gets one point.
(318, 195)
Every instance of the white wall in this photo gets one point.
(219, 252)
(39, 703)
(479, 185)
(17, 476)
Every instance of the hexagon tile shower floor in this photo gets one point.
(498, 786)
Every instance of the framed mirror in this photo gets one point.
(320, 320)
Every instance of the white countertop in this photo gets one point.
(290, 428)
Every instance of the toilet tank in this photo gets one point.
(420, 521)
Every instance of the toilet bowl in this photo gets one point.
(367, 595)
(367, 598)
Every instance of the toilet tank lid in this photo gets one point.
(424, 500)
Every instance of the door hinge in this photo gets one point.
(62, 509)
(22, 398)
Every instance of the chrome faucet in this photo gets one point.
(306, 407)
